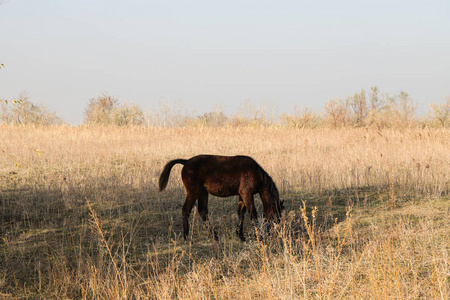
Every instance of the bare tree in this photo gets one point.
(100, 110)
(406, 109)
(300, 118)
(359, 107)
(440, 112)
(23, 111)
(336, 112)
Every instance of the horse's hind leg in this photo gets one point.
(241, 214)
(203, 211)
(186, 212)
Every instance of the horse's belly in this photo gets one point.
(221, 190)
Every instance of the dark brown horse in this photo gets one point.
(225, 176)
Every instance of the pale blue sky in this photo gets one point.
(203, 53)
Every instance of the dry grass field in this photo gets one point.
(367, 215)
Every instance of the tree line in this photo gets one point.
(362, 109)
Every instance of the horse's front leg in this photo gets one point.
(248, 200)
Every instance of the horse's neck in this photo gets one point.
(267, 194)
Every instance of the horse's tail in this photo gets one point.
(164, 178)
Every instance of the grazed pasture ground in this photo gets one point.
(81, 216)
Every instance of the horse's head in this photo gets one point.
(281, 207)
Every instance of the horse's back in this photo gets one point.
(211, 163)
(207, 166)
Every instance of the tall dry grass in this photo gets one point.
(81, 216)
